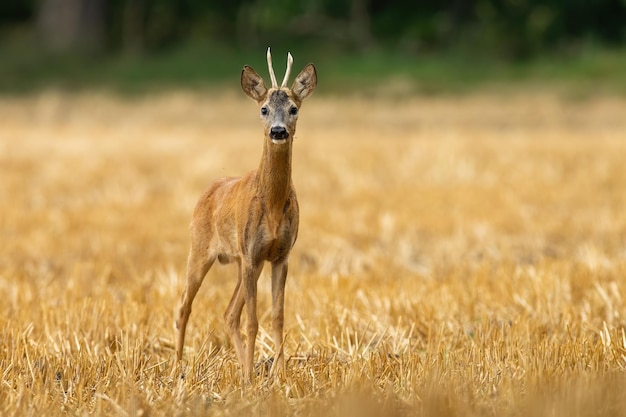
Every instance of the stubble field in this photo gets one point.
(457, 256)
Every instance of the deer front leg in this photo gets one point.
(250, 273)
(197, 267)
(279, 278)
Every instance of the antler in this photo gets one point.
(269, 65)
(271, 69)
(288, 72)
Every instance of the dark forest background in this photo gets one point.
(506, 31)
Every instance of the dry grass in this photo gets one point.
(457, 257)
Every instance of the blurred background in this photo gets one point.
(429, 45)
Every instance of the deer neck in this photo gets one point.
(274, 175)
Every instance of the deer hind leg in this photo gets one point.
(279, 278)
(198, 264)
(232, 317)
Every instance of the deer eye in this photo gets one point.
(264, 111)
(293, 110)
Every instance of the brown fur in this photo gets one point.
(250, 220)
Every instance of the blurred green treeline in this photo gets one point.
(394, 31)
(510, 28)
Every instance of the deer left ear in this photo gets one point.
(252, 84)
(305, 82)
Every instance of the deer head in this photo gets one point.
(279, 106)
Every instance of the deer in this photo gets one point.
(252, 219)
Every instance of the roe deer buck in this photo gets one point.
(252, 219)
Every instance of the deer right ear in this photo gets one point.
(252, 84)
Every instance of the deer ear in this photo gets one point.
(305, 82)
(252, 84)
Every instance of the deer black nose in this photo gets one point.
(278, 132)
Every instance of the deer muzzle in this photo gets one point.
(278, 134)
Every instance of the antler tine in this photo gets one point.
(269, 65)
(288, 72)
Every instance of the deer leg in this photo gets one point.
(232, 317)
(250, 274)
(279, 278)
(197, 267)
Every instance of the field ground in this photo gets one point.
(457, 257)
